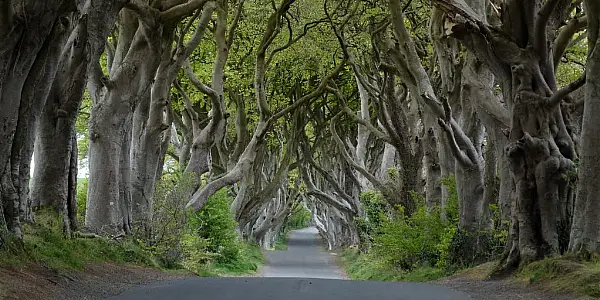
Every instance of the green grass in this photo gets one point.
(564, 274)
(367, 267)
(45, 244)
(248, 262)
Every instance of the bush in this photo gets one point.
(426, 239)
(410, 242)
(214, 222)
(375, 213)
(204, 242)
(463, 249)
(169, 220)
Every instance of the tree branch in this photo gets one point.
(182, 10)
(316, 92)
(148, 15)
(540, 32)
(566, 90)
(187, 102)
(184, 51)
(565, 36)
(314, 191)
(189, 73)
(351, 161)
(354, 117)
(234, 23)
(448, 125)
(291, 40)
(307, 155)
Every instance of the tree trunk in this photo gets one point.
(55, 177)
(33, 36)
(115, 100)
(540, 150)
(433, 186)
(585, 231)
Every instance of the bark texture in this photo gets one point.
(585, 231)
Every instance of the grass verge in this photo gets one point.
(44, 244)
(248, 262)
(366, 267)
(47, 246)
(564, 274)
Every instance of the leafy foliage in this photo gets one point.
(298, 218)
(205, 242)
(214, 223)
(82, 186)
(425, 242)
(375, 208)
(409, 242)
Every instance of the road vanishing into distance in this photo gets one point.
(305, 271)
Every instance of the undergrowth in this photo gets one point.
(204, 242)
(565, 274)
(44, 243)
(281, 241)
(424, 245)
(368, 267)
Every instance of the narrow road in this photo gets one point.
(304, 258)
(303, 272)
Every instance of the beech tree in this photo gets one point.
(145, 37)
(540, 149)
(585, 232)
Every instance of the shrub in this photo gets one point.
(427, 238)
(214, 222)
(169, 220)
(410, 242)
(204, 242)
(375, 213)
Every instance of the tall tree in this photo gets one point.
(34, 33)
(585, 233)
(540, 149)
(55, 175)
(115, 97)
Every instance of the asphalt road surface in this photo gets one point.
(304, 272)
(304, 258)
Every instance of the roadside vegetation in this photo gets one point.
(423, 246)
(426, 247)
(564, 274)
(204, 242)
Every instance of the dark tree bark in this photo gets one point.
(55, 176)
(540, 150)
(33, 34)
